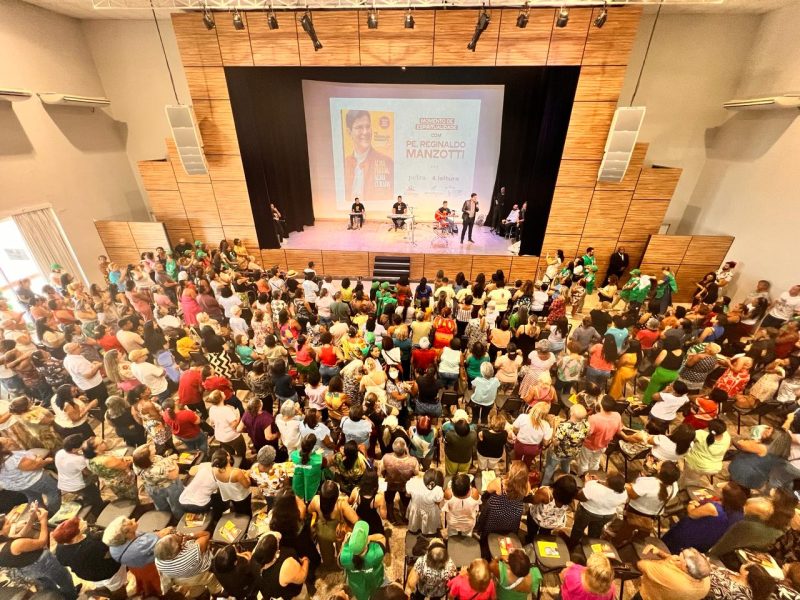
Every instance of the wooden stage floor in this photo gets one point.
(376, 237)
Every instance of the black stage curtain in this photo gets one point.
(268, 112)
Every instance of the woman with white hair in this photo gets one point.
(398, 467)
(484, 393)
(184, 564)
(684, 576)
(541, 361)
(136, 552)
(431, 572)
(288, 423)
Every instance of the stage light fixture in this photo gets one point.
(480, 27)
(208, 18)
(307, 23)
(408, 22)
(522, 17)
(272, 20)
(563, 17)
(601, 18)
(238, 22)
(372, 18)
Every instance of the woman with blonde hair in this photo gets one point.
(502, 511)
(119, 371)
(532, 431)
(595, 580)
(541, 391)
(492, 442)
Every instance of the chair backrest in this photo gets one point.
(449, 398)
(513, 406)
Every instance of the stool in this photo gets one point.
(118, 508)
(258, 526)
(200, 525)
(409, 559)
(551, 554)
(591, 546)
(186, 460)
(463, 549)
(153, 520)
(231, 528)
(66, 511)
(633, 551)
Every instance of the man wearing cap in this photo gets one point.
(85, 374)
(362, 561)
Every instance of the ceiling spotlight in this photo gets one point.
(272, 20)
(307, 23)
(480, 27)
(408, 22)
(372, 18)
(208, 18)
(563, 17)
(238, 22)
(522, 17)
(601, 18)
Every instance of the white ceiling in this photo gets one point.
(83, 9)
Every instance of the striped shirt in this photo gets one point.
(189, 562)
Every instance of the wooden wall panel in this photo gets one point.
(568, 210)
(115, 234)
(607, 214)
(612, 44)
(708, 250)
(567, 43)
(523, 267)
(567, 243)
(486, 265)
(225, 167)
(274, 47)
(528, 46)
(657, 183)
(578, 173)
(450, 264)
(157, 175)
(667, 249)
(588, 130)
(198, 46)
(652, 269)
(149, 236)
(338, 32)
(298, 259)
(208, 235)
(635, 250)
(124, 256)
(207, 83)
(392, 43)
(644, 219)
(175, 234)
(248, 236)
(215, 120)
(233, 202)
(271, 258)
(600, 83)
(200, 205)
(631, 178)
(344, 264)
(234, 45)
(181, 176)
(167, 206)
(454, 29)
(687, 277)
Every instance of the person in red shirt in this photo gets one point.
(212, 381)
(424, 356)
(190, 388)
(107, 340)
(649, 335)
(185, 425)
(603, 427)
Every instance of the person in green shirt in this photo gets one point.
(515, 577)
(666, 287)
(590, 277)
(308, 467)
(171, 266)
(361, 559)
(588, 258)
(382, 296)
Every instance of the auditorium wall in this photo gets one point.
(73, 159)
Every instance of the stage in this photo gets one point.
(376, 237)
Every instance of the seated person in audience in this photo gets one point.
(685, 576)
(595, 581)
(515, 575)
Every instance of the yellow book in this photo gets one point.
(548, 549)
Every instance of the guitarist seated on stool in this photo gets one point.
(444, 217)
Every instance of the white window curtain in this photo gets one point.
(44, 239)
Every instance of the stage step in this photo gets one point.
(391, 268)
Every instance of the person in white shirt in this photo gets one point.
(166, 320)
(150, 375)
(671, 447)
(666, 405)
(128, 338)
(70, 465)
(540, 298)
(85, 374)
(328, 284)
(599, 502)
(511, 220)
(648, 495)
(310, 288)
(784, 308)
(228, 299)
(237, 324)
(500, 296)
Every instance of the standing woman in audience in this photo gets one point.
(526, 335)
(288, 518)
(502, 510)
(667, 362)
(189, 306)
(225, 421)
(139, 299)
(444, 327)
(233, 483)
(114, 472)
(595, 581)
(647, 498)
(148, 415)
(333, 516)
(161, 478)
(72, 412)
(118, 370)
(626, 369)
(558, 335)
(602, 358)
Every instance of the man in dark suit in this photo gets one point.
(617, 264)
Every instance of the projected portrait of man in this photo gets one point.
(369, 174)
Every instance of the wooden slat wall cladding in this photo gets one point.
(125, 241)
(523, 267)
(392, 44)
(708, 249)
(528, 46)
